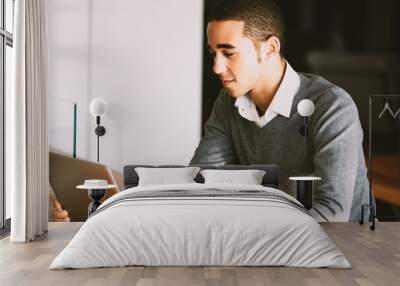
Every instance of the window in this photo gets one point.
(6, 60)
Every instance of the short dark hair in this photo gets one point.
(262, 18)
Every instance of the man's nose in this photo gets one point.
(219, 65)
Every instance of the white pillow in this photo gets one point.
(248, 177)
(162, 176)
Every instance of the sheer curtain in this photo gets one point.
(28, 150)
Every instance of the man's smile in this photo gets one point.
(227, 82)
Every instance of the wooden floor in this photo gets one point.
(374, 255)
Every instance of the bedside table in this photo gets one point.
(305, 190)
(96, 193)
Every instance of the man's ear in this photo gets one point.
(270, 48)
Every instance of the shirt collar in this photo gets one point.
(283, 99)
(281, 102)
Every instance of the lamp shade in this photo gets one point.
(98, 107)
(305, 107)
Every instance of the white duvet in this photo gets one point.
(200, 231)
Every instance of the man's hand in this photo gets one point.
(59, 214)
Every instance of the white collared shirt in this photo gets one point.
(280, 104)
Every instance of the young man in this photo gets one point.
(255, 118)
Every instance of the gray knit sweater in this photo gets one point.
(335, 153)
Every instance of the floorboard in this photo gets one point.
(374, 255)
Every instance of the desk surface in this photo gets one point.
(385, 178)
(374, 255)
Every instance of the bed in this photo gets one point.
(201, 224)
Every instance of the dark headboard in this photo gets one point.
(270, 179)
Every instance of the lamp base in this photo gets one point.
(302, 130)
(100, 130)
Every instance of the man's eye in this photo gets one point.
(229, 55)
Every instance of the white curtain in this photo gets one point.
(28, 157)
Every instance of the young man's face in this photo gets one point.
(236, 60)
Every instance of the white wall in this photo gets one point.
(144, 59)
(68, 36)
